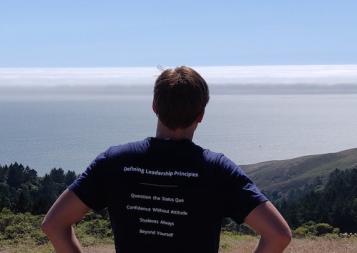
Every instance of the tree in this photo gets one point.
(70, 177)
(15, 175)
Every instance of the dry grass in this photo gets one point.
(308, 245)
(246, 244)
(100, 249)
(230, 243)
(323, 245)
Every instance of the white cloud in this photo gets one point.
(280, 75)
(284, 74)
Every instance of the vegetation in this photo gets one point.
(21, 231)
(334, 203)
(312, 229)
(324, 206)
(21, 190)
(280, 176)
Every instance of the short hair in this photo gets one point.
(180, 96)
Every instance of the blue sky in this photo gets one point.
(205, 33)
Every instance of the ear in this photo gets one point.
(200, 116)
(154, 107)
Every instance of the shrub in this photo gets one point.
(323, 228)
(312, 229)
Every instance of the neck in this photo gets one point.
(163, 132)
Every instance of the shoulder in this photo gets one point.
(211, 156)
(219, 160)
(223, 167)
(126, 149)
(116, 155)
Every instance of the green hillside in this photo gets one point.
(282, 175)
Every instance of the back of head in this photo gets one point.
(180, 96)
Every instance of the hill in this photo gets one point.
(283, 175)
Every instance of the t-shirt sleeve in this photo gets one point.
(240, 194)
(90, 186)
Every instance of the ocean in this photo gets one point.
(67, 126)
(70, 132)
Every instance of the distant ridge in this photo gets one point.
(283, 175)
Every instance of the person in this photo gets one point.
(166, 193)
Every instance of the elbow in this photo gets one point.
(49, 227)
(284, 238)
(46, 227)
(278, 240)
(53, 228)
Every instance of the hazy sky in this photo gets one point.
(76, 33)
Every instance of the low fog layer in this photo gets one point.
(222, 75)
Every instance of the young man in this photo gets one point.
(165, 193)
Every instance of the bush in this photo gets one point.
(323, 228)
(312, 229)
(229, 225)
(24, 228)
(98, 228)
(301, 231)
(21, 226)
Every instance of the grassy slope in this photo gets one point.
(281, 175)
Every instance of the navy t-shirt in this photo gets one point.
(166, 195)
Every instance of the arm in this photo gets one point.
(275, 233)
(57, 224)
